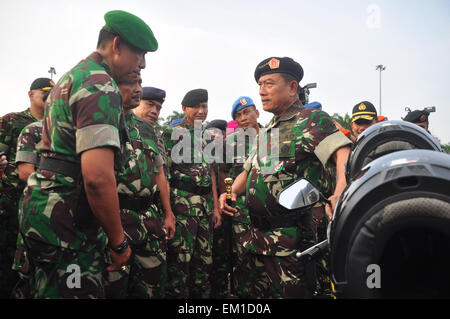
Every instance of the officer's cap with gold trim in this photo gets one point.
(279, 65)
(132, 29)
(364, 110)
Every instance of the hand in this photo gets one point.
(330, 209)
(119, 261)
(217, 219)
(224, 207)
(169, 225)
(3, 163)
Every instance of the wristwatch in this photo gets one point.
(122, 247)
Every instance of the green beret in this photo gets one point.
(195, 97)
(279, 65)
(132, 29)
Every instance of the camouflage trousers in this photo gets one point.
(22, 266)
(320, 224)
(64, 273)
(222, 261)
(247, 272)
(145, 276)
(8, 238)
(285, 277)
(189, 257)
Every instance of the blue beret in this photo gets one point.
(240, 103)
(151, 93)
(177, 121)
(313, 105)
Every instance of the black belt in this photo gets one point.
(191, 188)
(271, 222)
(66, 168)
(136, 204)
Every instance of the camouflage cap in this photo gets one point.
(132, 29)
(44, 84)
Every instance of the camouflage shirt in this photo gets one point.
(10, 127)
(238, 145)
(30, 136)
(137, 180)
(187, 164)
(193, 168)
(307, 140)
(82, 112)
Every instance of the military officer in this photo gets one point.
(70, 206)
(193, 200)
(247, 271)
(146, 228)
(364, 115)
(418, 117)
(310, 146)
(11, 186)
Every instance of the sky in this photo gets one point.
(216, 45)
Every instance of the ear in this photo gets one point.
(184, 109)
(116, 45)
(257, 113)
(30, 94)
(293, 87)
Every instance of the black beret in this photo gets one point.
(417, 116)
(44, 84)
(220, 124)
(151, 93)
(195, 97)
(279, 65)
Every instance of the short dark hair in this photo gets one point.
(105, 36)
(288, 78)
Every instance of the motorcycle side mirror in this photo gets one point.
(298, 195)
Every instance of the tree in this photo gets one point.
(446, 148)
(343, 120)
(162, 124)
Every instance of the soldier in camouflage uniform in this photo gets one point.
(149, 109)
(27, 161)
(193, 201)
(11, 187)
(221, 252)
(142, 221)
(71, 201)
(308, 142)
(247, 272)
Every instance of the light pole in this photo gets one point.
(52, 71)
(380, 67)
